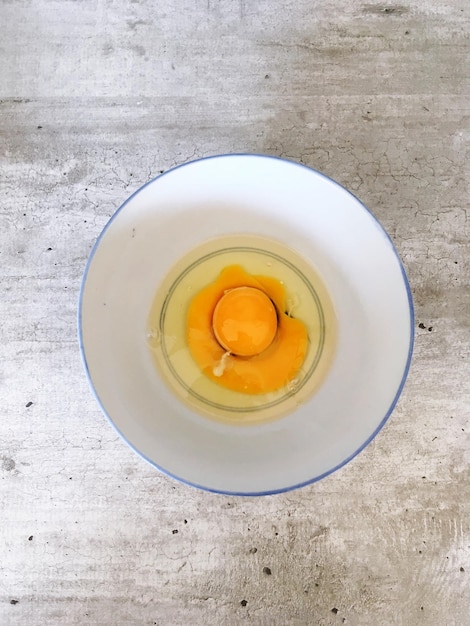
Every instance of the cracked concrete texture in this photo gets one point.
(98, 97)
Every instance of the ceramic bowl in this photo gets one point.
(335, 233)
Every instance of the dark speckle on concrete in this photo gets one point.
(462, 569)
(185, 521)
(49, 249)
(334, 610)
(243, 602)
(174, 532)
(253, 550)
(28, 404)
(14, 601)
(30, 538)
(267, 571)
(423, 327)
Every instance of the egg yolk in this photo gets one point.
(240, 336)
(245, 321)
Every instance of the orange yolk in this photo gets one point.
(245, 321)
(240, 336)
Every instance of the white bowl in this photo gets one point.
(322, 222)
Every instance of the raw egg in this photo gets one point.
(240, 336)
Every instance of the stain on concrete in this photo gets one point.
(107, 49)
(8, 464)
(320, 532)
(139, 50)
(384, 9)
(133, 24)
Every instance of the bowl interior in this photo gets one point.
(322, 222)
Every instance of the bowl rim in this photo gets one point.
(153, 463)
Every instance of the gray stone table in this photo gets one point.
(96, 98)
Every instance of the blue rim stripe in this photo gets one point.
(283, 489)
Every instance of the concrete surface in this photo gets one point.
(98, 96)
